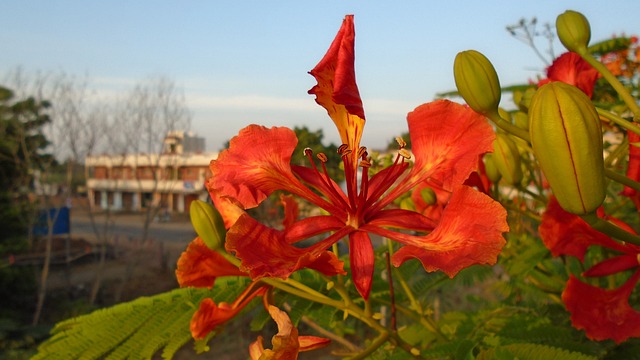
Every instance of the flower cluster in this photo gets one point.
(462, 228)
(602, 313)
(447, 140)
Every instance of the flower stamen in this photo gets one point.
(324, 177)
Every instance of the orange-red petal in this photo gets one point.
(229, 209)
(257, 163)
(337, 90)
(603, 314)
(211, 315)
(208, 316)
(614, 265)
(564, 233)
(447, 140)
(469, 233)
(286, 343)
(633, 167)
(199, 266)
(572, 69)
(362, 261)
(264, 251)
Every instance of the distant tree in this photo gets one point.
(152, 109)
(313, 140)
(22, 155)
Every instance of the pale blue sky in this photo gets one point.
(242, 62)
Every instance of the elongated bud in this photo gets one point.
(477, 82)
(506, 158)
(491, 169)
(208, 223)
(574, 31)
(566, 137)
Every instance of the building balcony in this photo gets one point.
(168, 186)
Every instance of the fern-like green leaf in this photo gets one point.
(532, 352)
(137, 329)
(610, 45)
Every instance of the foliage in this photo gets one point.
(137, 329)
(308, 139)
(22, 153)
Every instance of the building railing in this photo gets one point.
(174, 186)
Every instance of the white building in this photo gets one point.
(171, 180)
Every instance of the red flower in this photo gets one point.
(603, 314)
(447, 140)
(199, 266)
(211, 315)
(570, 68)
(564, 233)
(633, 168)
(286, 343)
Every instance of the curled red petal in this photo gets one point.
(286, 343)
(199, 266)
(308, 343)
(211, 315)
(614, 265)
(469, 233)
(337, 90)
(564, 233)
(264, 251)
(603, 314)
(208, 316)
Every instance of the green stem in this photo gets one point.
(629, 100)
(618, 120)
(423, 320)
(618, 153)
(509, 127)
(377, 342)
(610, 229)
(622, 179)
(417, 307)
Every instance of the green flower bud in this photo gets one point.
(429, 196)
(573, 30)
(521, 120)
(517, 96)
(506, 158)
(504, 114)
(525, 100)
(566, 136)
(491, 169)
(208, 223)
(477, 82)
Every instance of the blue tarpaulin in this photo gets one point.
(62, 224)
